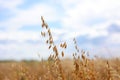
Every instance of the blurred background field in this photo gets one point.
(34, 70)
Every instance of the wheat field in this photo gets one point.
(80, 67)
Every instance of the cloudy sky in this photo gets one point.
(94, 23)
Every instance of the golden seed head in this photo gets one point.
(49, 47)
(47, 41)
(62, 54)
(43, 34)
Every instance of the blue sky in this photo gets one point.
(94, 23)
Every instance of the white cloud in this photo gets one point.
(114, 39)
(10, 4)
(74, 22)
(78, 12)
(23, 51)
(31, 16)
(20, 36)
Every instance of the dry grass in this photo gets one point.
(78, 68)
(72, 70)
